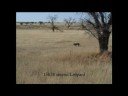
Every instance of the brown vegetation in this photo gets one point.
(42, 51)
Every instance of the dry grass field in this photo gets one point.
(46, 57)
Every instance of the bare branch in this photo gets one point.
(93, 24)
(102, 18)
(69, 21)
(95, 17)
(92, 33)
(82, 22)
(110, 19)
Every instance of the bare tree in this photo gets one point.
(52, 20)
(101, 23)
(82, 23)
(69, 21)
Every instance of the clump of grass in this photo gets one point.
(80, 57)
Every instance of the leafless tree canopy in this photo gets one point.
(69, 21)
(52, 20)
(82, 23)
(98, 22)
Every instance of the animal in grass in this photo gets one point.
(76, 44)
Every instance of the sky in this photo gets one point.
(43, 16)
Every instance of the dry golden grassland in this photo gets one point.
(46, 57)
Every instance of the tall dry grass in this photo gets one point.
(42, 52)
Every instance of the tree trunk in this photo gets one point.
(68, 26)
(53, 29)
(103, 41)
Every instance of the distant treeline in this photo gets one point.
(40, 22)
